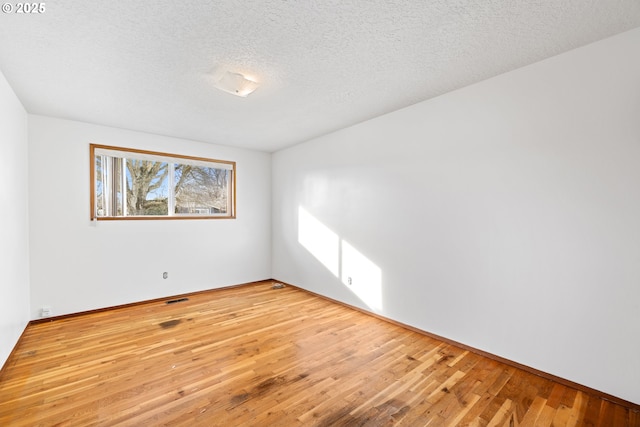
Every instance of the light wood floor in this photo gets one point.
(255, 356)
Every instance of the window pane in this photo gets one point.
(108, 186)
(147, 187)
(99, 208)
(131, 184)
(117, 204)
(201, 190)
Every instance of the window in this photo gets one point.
(134, 184)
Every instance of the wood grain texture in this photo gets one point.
(257, 356)
(552, 378)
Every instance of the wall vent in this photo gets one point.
(173, 301)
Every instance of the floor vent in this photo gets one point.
(173, 301)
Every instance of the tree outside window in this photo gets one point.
(133, 184)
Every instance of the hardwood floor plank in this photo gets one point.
(455, 419)
(545, 417)
(256, 356)
(533, 414)
(503, 414)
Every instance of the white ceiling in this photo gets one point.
(323, 65)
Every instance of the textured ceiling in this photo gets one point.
(322, 65)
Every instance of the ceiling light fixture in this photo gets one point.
(236, 84)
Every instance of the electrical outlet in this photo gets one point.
(350, 280)
(45, 311)
(165, 275)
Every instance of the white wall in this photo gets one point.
(79, 265)
(14, 226)
(505, 215)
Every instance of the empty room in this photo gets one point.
(356, 213)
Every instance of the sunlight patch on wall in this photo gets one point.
(361, 276)
(357, 272)
(319, 240)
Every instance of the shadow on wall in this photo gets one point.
(357, 272)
